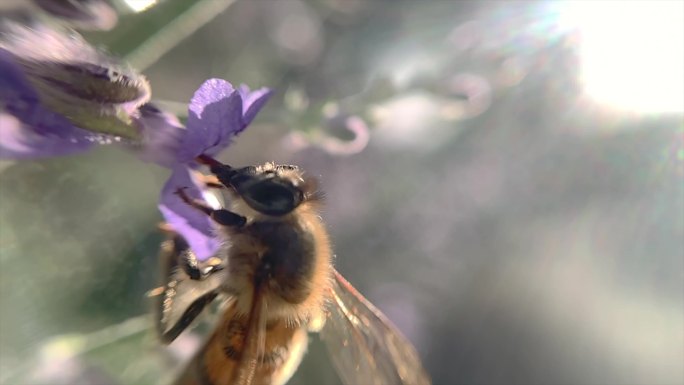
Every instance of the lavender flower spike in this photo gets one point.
(27, 128)
(70, 78)
(217, 113)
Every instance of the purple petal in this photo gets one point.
(189, 222)
(252, 102)
(215, 116)
(162, 133)
(27, 129)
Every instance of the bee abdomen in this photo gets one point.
(234, 343)
(219, 359)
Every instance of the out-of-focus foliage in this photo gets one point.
(514, 230)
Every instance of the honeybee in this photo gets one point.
(275, 274)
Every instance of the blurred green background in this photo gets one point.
(513, 226)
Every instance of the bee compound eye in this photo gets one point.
(272, 198)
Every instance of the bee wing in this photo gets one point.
(255, 342)
(364, 346)
(182, 299)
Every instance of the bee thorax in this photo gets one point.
(277, 256)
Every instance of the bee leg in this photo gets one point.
(198, 270)
(188, 262)
(212, 265)
(195, 203)
(221, 216)
(228, 218)
(166, 229)
(211, 181)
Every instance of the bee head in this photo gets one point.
(270, 189)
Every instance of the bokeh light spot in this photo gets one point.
(139, 5)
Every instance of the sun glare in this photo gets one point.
(632, 53)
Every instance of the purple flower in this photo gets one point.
(217, 113)
(192, 224)
(161, 134)
(58, 94)
(27, 128)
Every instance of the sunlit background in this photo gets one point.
(505, 180)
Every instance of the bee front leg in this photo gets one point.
(228, 218)
(221, 216)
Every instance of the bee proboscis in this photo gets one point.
(275, 274)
